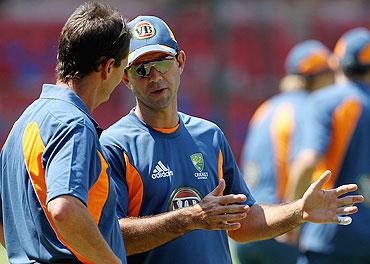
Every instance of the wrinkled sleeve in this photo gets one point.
(70, 158)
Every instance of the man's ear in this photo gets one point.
(126, 80)
(107, 67)
(181, 58)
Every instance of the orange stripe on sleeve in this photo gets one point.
(281, 130)
(135, 188)
(33, 148)
(220, 165)
(344, 122)
(98, 194)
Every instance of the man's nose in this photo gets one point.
(154, 75)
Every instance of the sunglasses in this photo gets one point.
(142, 70)
(123, 31)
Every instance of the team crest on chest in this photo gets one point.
(143, 30)
(183, 197)
(198, 162)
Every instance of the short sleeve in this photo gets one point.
(71, 162)
(235, 183)
(115, 159)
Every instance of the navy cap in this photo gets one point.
(353, 48)
(150, 34)
(307, 58)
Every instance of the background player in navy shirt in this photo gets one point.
(180, 190)
(58, 204)
(273, 136)
(337, 136)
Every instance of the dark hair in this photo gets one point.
(93, 34)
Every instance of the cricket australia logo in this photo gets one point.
(198, 162)
(184, 197)
(161, 171)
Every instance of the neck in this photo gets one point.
(162, 118)
(86, 89)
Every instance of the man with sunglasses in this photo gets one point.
(180, 191)
(58, 204)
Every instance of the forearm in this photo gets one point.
(79, 230)
(145, 233)
(267, 221)
(213, 212)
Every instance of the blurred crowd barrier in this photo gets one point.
(235, 52)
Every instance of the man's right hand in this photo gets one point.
(220, 212)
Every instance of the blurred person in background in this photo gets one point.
(180, 191)
(57, 202)
(273, 136)
(337, 136)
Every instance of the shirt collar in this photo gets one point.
(58, 92)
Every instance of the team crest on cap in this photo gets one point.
(184, 197)
(144, 30)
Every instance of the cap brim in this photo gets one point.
(150, 48)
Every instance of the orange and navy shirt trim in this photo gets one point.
(58, 154)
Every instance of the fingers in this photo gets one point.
(346, 210)
(230, 209)
(349, 200)
(227, 221)
(232, 198)
(219, 212)
(229, 217)
(228, 226)
(344, 220)
(219, 188)
(343, 189)
(324, 178)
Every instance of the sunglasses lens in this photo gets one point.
(143, 70)
(163, 66)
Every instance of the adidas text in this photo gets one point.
(161, 171)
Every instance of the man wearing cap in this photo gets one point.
(272, 137)
(337, 136)
(178, 184)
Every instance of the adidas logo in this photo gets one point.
(161, 171)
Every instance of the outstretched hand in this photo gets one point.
(326, 206)
(220, 212)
